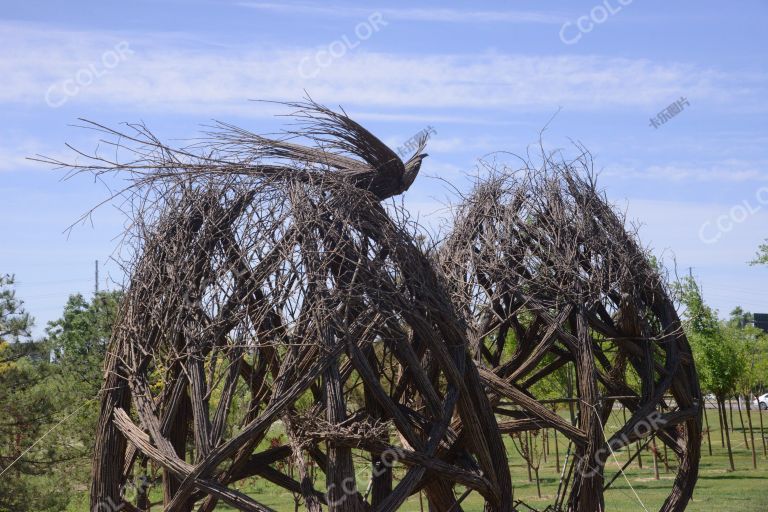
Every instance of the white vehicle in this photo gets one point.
(761, 401)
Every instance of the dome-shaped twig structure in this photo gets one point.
(553, 286)
(271, 292)
(278, 324)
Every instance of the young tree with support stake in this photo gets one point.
(719, 357)
(754, 345)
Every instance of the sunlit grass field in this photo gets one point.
(718, 489)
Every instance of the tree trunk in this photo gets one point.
(720, 412)
(655, 452)
(751, 433)
(741, 419)
(557, 452)
(727, 434)
(629, 446)
(762, 432)
(706, 424)
(528, 454)
(730, 413)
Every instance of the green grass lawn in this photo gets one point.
(718, 489)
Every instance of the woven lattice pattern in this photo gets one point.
(270, 290)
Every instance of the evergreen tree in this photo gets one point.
(29, 480)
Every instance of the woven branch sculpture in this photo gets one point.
(270, 289)
(538, 257)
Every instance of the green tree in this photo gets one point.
(79, 339)
(720, 359)
(761, 258)
(15, 323)
(753, 344)
(79, 342)
(28, 477)
(740, 318)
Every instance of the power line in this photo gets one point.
(58, 281)
(44, 435)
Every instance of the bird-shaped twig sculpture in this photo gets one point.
(333, 147)
(340, 146)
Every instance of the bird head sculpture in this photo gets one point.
(412, 167)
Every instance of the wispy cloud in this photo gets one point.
(178, 78)
(726, 171)
(14, 153)
(410, 14)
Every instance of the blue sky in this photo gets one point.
(488, 76)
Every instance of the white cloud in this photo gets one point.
(14, 159)
(174, 77)
(410, 14)
(730, 170)
(15, 153)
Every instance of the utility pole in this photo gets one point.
(96, 279)
(697, 285)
